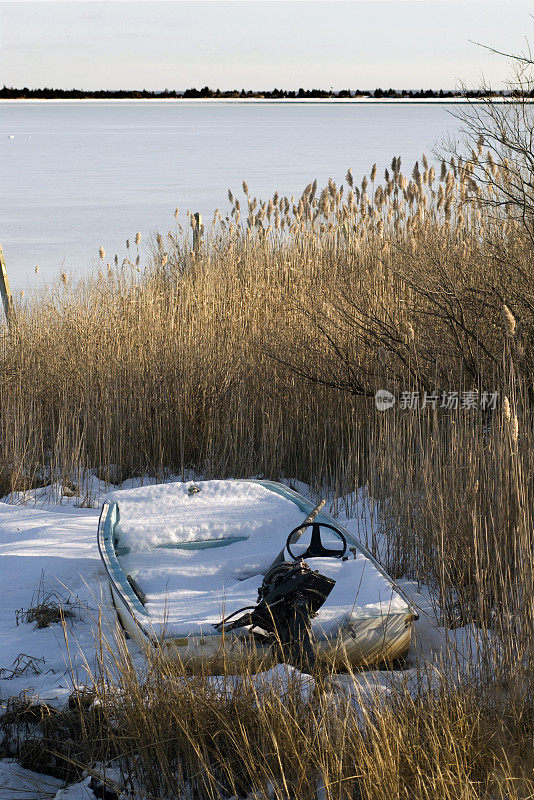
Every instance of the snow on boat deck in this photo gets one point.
(167, 514)
(241, 526)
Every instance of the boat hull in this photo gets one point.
(369, 641)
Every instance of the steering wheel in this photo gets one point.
(316, 547)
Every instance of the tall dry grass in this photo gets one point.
(205, 362)
(260, 355)
(162, 733)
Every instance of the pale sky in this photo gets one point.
(256, 44)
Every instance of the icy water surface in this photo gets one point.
(76, 175)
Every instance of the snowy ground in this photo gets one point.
(50, 548)
(21, 784)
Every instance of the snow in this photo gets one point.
(52, 547)
(76, 791)
(88, 494)
(189, 590)
(169, 514)
(282, 680)
(17, 783)
(360, 591)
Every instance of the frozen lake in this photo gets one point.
(80, 174)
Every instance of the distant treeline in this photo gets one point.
(10, 93)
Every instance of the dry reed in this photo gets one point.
(162, 733)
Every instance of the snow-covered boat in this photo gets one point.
(181, 557)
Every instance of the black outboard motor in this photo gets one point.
(289, 597)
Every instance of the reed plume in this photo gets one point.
(509, 321)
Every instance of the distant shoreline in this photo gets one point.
(301, 95)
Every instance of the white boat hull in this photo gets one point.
(365, 642)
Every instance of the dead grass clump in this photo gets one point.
(24, 664)
(216, 738)
(47, 608)
(55, 742)
(45, 614)
(12, 480)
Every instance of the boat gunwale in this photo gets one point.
(126, 596)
